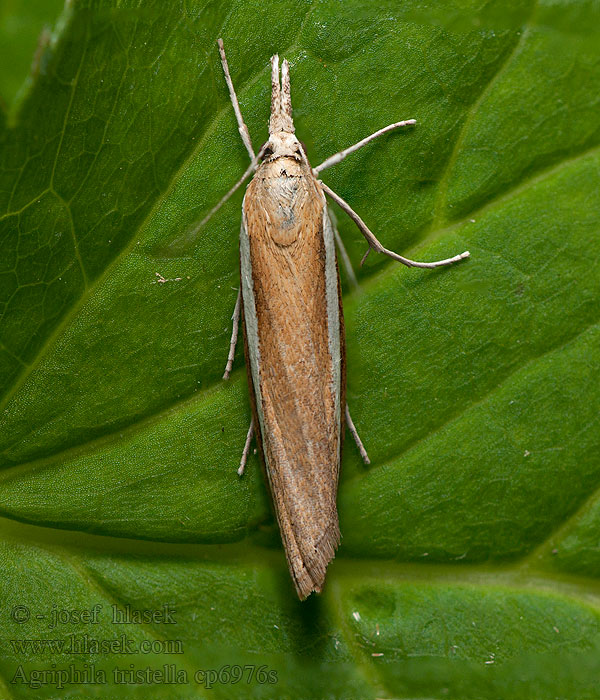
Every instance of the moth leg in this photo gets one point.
(376, 245)
(355, 435)
(246, 451)
(342, 250)
(338, 157)
(234, 334)
(242, 128)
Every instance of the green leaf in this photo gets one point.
(24, 33)
(469, 566)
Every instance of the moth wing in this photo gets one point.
(293, 330)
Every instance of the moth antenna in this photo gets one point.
(275, 121)
(287, 123)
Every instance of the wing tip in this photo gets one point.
(309, 573)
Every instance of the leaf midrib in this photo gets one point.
(514, 575)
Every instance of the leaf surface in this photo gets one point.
(469, 563)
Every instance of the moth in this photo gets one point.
(291, 309)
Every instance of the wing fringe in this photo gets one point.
(309, 568)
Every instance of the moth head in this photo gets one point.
(282, 145)
(282, 141)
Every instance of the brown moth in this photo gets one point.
(294, 331)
